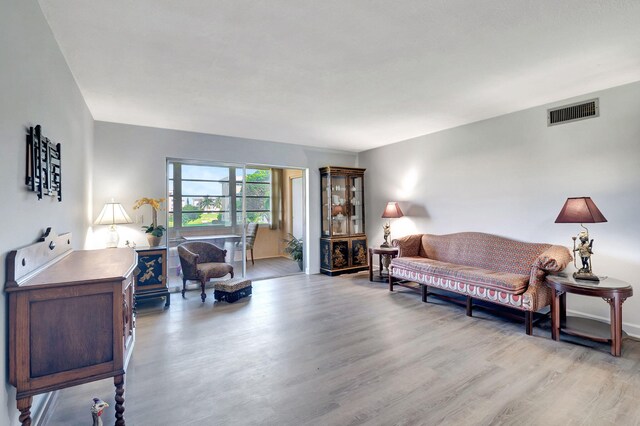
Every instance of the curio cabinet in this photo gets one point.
(343, 242)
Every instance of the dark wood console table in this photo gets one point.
(613, 291)
(71, 318)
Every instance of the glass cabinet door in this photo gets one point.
(326, 205)
(339, 203)
(356, 205)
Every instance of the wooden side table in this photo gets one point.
(613, 291)
(389, 252)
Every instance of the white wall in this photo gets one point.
(510, 175)
(37, 87)
(129, 163)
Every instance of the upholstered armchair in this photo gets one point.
(202, 261)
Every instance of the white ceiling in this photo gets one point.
(347, 74)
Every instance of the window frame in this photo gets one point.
(237, 175)
(268, 197)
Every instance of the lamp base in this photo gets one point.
(112, 237)
(587, 276)
(385, 245)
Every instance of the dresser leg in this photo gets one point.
(119, 382)
(24, 405)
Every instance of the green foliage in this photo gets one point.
(209, 203)
(294, 248)
(189, 217)
(259, 176)
(258, 217)
(156, 231)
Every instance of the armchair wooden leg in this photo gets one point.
(423, 292)
(203, 295)
(184, 287)
(469, 306)
(252, 256)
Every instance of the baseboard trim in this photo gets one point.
(632, 330)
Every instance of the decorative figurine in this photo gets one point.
(96, 411)
(387, 230)
(584, 248)
(585, 251)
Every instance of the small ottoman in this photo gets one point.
(232, 290)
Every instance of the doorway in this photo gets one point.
(297, 212)
(216, 202)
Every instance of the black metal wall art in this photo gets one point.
(44, 165)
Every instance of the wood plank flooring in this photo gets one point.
(316, 350)
(262, 269)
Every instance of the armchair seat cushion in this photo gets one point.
(214, 269)
(496, 280)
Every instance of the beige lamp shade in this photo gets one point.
(113, 214)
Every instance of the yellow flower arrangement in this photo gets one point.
(155, 203)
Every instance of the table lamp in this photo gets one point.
(113, 214)
(582, 210)
(391, 211)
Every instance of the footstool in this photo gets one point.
(232, 290)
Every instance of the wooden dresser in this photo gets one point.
(71, 318)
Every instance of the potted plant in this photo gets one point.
(294, 249)
(154, 231)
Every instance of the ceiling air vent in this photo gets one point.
(573, 112)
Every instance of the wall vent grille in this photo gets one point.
(573, 112)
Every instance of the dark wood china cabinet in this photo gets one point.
(343, 242)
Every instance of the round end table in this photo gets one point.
(384, 252)
(613, 291)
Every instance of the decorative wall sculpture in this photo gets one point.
(44, 165)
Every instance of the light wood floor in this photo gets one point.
(271, 267)
(315, 350)
(261, 269)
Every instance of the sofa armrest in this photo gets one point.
(553, 259)
(409, 245)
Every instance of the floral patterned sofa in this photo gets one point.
(480, 266)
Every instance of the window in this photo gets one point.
(201, 195)
(258, 196)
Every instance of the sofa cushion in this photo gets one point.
(505, 281)
(484, 251)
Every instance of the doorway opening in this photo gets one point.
(249, 210)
